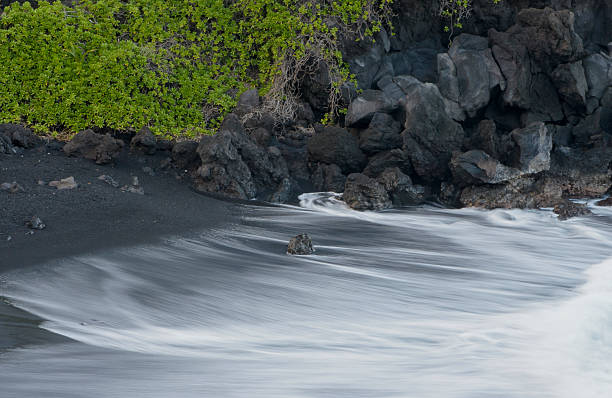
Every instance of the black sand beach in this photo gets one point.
(92, 217)
(95, 215)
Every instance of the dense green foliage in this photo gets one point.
(174, 65)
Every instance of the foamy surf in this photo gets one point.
(422, 302)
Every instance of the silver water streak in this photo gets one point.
(420, 302)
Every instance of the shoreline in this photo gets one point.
(95, 215)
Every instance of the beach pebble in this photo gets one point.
(300, 245)
(35, 223)
(109, 180)
(134, 188)
(11, 187)
(64, 183)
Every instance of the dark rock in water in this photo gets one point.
(431, 136)
(476, 167)
(400, 188)
(571, 84)
(521, 193)
(605, 202)
(64, 183)
(335, 145)
(364, 193)
(568, 209)
(300, 245)
(534, 145)
(388, 159)
(11, 187)
(35, 223)
(185, 155)
(328, 178)
(581, 173)
(234, 166)
(89, 145)
(382, 134)
(19, 136)
(144, 141)
(364, 107)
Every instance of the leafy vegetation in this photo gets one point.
(176, 66)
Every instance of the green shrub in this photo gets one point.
(174, 65)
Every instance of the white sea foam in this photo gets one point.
(421, 302)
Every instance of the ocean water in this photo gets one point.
(417, 302)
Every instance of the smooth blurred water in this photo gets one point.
(419, 302)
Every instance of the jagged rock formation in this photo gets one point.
(517, 112)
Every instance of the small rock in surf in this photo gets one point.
(300, 245)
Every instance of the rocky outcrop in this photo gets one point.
(534, 144)
(400, 189)
(93, 146)
(476, 167)
(334, 145)
(18, 136)
(364, 193)
(185, 155)
(144, 141)
(328, 178)
(234, 166)
(383, 133)
(364, 107)
(430, 135)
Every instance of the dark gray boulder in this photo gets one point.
(430, 135)
(185, 155)
(300, 245)
(364, 107)
(581, 173)
(97, 147)
(447, 77)
(234, 166)
(520, 193)
(549, 36)
(400, 189)
(335, 145)
(476, 71)
(144, 141)
(382, 134)
(388, 159)
(534, 145)
(6, 145)
(476, 167)
(598, 73)
(571, 83)
(568, 209)
(19, 136)
(328, 178)
(364, 193)
(247, 102)
(528, 51)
